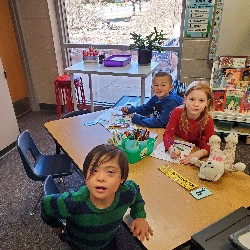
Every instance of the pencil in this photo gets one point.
(137, 140)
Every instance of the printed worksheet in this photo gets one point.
(113, 117)
(106, 115)
(183, 146)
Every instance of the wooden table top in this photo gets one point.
(173, 213)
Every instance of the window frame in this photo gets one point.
(66, 45)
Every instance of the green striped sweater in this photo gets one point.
(88, 226)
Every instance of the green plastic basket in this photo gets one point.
(136, 156)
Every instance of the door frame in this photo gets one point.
(33, 98)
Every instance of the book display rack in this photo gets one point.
(230, 82)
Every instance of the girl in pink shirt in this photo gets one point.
(192, 122)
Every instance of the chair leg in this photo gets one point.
(32, 212)
(58, 148)
(61, 180)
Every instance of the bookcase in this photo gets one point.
(230, 83)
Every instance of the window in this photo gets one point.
(107, 25)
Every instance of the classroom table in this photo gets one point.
(130, 70)
(174, 214)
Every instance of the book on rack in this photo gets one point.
(219, 99)
(246, 74)
(218, 78)
(232, 61)
(246, 103)
(234, 100)
(243, 85)
(233, 76)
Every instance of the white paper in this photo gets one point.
(160, 153)
(106, 115)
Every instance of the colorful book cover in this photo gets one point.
(243, 85)
(246, 103)
(219, 99)
(218, 76)
(233, 76)
(232, 62)
(234, 100)
(246, 74)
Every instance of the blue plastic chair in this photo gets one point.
(50, 187)
(37, 165)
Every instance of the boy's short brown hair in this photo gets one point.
(103, 153)
(164, 74)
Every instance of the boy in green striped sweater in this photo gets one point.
(94, 213)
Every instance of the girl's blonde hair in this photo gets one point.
(205, 114)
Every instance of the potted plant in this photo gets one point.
(147, 44)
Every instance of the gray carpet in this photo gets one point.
(21, 231)
(18, 229)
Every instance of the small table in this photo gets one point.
(174, 214)
(130, 70)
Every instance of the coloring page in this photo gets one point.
(183, 146)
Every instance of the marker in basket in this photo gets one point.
(137, 140)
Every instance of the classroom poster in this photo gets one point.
(198, 18)
(216, 30)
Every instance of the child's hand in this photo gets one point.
(140, 228)
(199, 154)
(124, 110)
(174, 152)
(57, 230)
(186, 159)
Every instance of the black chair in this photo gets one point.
(37, 165)
(71, 114)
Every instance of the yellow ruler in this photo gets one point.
(178, 178)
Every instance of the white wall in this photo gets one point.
(234, 37)
(8, 124)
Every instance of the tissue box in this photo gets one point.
(117, 60)
(136, 155)
(90, 59)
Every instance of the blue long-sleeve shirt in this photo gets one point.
(160, 109)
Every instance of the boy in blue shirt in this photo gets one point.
(160, 105)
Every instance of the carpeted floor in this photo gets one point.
(19, 230)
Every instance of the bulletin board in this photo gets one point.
(234, 33)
